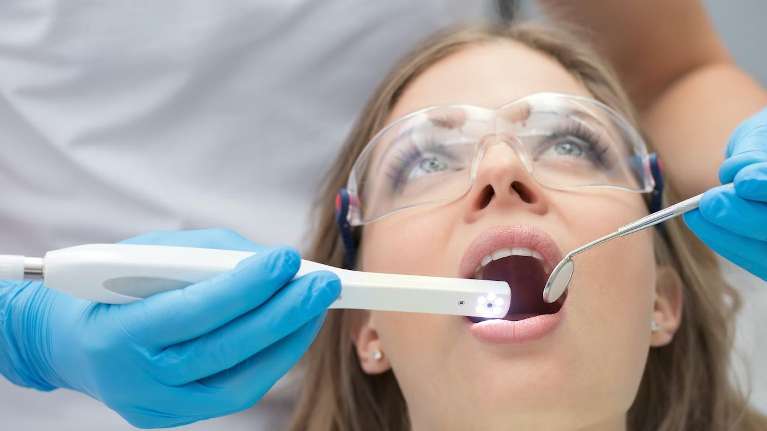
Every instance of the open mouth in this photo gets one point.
(523, 257)
(524, 271)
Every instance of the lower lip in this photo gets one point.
(518, 331)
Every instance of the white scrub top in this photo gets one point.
(122, 117)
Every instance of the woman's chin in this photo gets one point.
(521, 383)
(531, 390)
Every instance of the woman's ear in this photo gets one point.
(370, 352)
(667, 313)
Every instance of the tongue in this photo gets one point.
(526, 276)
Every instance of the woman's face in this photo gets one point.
(577, 368)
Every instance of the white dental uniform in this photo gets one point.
(123, 117)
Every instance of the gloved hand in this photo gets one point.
(177, 357)
(733, 222)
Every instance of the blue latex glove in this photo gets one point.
(733, 222)
(177, 357)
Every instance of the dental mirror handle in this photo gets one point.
(643, 223)
(661, 216)
(122, 273)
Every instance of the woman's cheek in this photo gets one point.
(617, 278)
(408, 245)
(610, 300)
(611, 306)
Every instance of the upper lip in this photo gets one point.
(493, 239)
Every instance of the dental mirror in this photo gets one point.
(560, 277)
(559, 280)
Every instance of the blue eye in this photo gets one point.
(570, 146)
(428, 165)
(575, 142)
(414, 162)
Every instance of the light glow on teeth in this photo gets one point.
(506, 252)
(521, 252)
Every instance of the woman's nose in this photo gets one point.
(503, 181)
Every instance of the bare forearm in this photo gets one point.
(650, 43)
(691, 121)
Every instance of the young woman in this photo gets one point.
(529, 151)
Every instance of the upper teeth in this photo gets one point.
(506, 252)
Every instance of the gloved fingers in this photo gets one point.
(223, 239)
(230, 391)
(153, 420)
(12, 284)
(741, 139)
(733, 164)
(747, 145)
(179, 315)
(156, 416)
(723, 207)
(751, 183)
(749, 254)
(289, 309)
(167, 406)
(245, 384)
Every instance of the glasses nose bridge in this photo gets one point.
(493, 140)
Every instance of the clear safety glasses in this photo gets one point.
(432, 156)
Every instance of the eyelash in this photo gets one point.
(410, 155)
(596, 150)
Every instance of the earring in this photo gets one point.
(377, 355)
(654, 326)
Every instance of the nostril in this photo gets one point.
(485, 197)
(524, 193)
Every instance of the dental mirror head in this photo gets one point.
(559, 279)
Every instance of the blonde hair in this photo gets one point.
(686, 385)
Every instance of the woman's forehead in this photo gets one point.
(487, 75)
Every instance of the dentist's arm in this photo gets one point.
(690, 93)
(177, 357)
